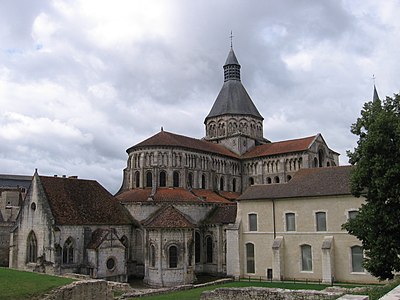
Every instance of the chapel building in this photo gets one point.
(186, 207)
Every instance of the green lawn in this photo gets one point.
(194, 294)
(26, 285)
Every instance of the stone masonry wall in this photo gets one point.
(82, 290)
(255, 293)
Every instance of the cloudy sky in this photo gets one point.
(81, 81)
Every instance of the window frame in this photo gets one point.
(305, 260)
(252, 226)
(352, 263)
(173, 257)
(317, 224)
(250, 260)
(287, 214)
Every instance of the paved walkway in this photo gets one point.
(393, 294)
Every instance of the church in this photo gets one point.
(191, 206)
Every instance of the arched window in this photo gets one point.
(276, 179)
(234, 185)
(357, 258)
(306, 258)
(209, 248)
(176, 179)
(321, 158)
(190, 180)
(173, 256)
(203, 181)
(251, 181)
(152, 256)
(269, 180)
(315, 162)
(221, 183)
(32, 248)
(163, 179)
(197, 247)
(288, 178)
(250, 261)
(137, 179)
(149, 179)
(124, 240)
(68, 251)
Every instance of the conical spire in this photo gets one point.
(233, 98)
(375, 97)
(231, 67)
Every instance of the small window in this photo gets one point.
(152, 256)
(176, 179)
(173, 256)
(269, 180)
(221, 183)
(203, 181)
(68, 251)
(357, 258)
(190, 180)
(321, 221)
(252, 222)
(234, 185)
(306, 258)
(209, 248)
(251, 181)
(32, 248)
(149, 179)
(110, 263)
(137, 179)
(290, 222)
(353, 214)
(163, 179)
(33, 206)
(288, 178)
(276, 179)
(250, 261)
(197, 247)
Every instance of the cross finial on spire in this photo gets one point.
(373, 78)
(231, 37)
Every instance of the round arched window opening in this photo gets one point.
(33, 206)
(110, 263)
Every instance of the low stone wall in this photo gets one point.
(258, 293)
(82, 290)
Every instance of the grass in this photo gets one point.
(194, 294)
(27, 285)
(374, 293)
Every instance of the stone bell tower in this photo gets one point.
(234, 120)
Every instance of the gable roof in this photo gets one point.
(174, 195)
(287, 146)
(313, 182)
(82, 202)
(164, 138)
(168, 217)
(222, 214)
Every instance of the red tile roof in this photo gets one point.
(164, 138)
(175, 195)
(82, 202)
(288, 146)
(222, 214)
(168, 217)
(313, 182)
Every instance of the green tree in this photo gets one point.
(376, 176)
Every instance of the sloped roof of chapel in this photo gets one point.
(281, 147)
(222, 214)
(169, 139)
(310, 182)
(168, 217)
(82, 202)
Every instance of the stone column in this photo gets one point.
(277, 252)
(327, 259)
